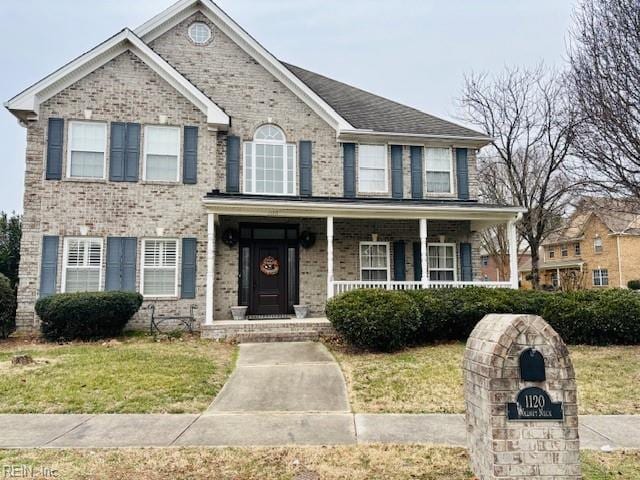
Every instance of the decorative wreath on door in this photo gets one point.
(270, 266)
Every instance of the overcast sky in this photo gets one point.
(412, 51)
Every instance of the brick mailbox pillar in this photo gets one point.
(520, 396)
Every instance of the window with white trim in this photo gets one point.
(564, 250)
(597, 245)
(576, 249)
(159, 268)
(372, 169)
(442, 261)
(87, 147)
(439, 165)
(269, 163)
(601, 277)
(161, 153)
(374, 261)
(82, 265)
(199, 33)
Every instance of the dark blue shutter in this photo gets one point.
(462, 173)
(121, 264)
(190, 156)
(114, 264)
(466, 262)
(117, 151)
(233, 164)
(132, 153)
(306, 168)
(55, 140)
(49, 265)
(416, 172)
(397, 187)
(189, 246)
(417, 261)
(399, 273)
(349, 169)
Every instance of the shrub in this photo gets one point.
(7, 307)
(86, 316)
(634, 284)
(375, 319)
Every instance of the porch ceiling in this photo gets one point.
(481, 215)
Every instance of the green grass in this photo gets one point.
(429, 379)
(133, 375)
(392, 462)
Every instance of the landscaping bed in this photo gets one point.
(428, 379)
(327, 463)
(128, 375)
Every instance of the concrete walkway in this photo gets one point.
(272, 429)
(283, 377)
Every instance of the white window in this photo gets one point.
(564, 250)
(161, 153)
(576, 248)
(374, 261)
(442, 261)
(160, 268)
(555, 280)
(269, 163)
(199, 33)
(601, 277)
(552, 253)
(597, 245)
(87, 147)
(439, 164)
(372, 169)
(82, 270)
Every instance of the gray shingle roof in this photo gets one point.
(367, 111)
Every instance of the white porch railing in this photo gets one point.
(347, 286)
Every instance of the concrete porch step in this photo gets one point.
(263, 331)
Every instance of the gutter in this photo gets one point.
(483, 139)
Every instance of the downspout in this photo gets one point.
(619, 261)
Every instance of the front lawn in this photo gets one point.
(429, 379)
(327, 463)
(129, 375)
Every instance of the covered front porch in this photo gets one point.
(303, 251)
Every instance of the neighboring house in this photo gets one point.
(184, 161)
(490, 266)
(598, 247)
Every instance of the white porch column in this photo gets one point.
(513, 252)
(423, 251)
(329, 257)
(211, 252)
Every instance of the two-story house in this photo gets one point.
(185, 161)
(597, 247)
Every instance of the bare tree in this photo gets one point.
(605, 88)
(526, 112)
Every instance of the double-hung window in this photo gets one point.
(374, 261)
(601, 277)
(269, 163)
(442, 261)
(372, 169)
(564, 250)
(160, 268)
(87, 147)
(161, 154)
(82, 265)
(576, 249)
(439, 164)
(597, 245)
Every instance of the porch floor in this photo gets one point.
(278, 330)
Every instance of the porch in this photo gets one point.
(363, 243)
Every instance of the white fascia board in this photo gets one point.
(249, 207)
(418, 138)
(166, 20)
(30, 99)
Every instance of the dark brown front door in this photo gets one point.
(269, 276)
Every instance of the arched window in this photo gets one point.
(269, 163)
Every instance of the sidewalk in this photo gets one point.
(272, 429)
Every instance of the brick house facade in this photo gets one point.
(182, 159)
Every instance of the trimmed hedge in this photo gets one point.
(375, 319)
(86, 316)
(585, 317)
(7, 307)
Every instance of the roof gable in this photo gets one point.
(26, 104)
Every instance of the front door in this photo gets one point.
(269, 278)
